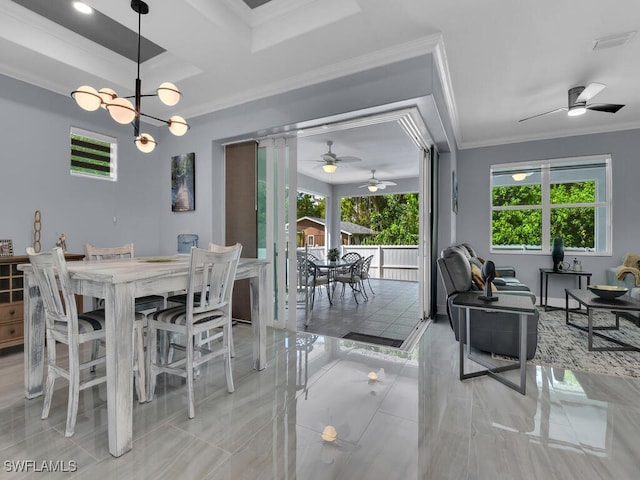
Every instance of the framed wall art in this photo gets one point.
(6, 248)
(183, 183)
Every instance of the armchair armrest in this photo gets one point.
(505, 271)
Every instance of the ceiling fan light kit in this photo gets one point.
(374, 184)
(330, 160)
(123, 111)
(329, 167)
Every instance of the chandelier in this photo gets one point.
(123, 111)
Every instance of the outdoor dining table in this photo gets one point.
(119, 282)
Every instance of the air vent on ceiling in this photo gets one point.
(612, 40)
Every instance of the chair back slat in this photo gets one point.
(93, 253)
(52, 278)
(211, 275)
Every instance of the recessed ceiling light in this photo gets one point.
(83, 8)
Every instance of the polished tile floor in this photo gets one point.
(416, 421)
(392, 311)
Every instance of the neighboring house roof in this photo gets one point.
(345, 227)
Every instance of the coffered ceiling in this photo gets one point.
(506, 60)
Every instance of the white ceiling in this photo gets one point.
(506, 59)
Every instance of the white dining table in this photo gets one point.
(119, 282)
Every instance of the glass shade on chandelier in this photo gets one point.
(169, 94)
(145, 143)
(87, 98)
(123, 110)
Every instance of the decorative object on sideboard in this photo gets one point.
(122, 110)
(62, 242)
(577, 265)
(6, 248)
(37, 228)
(557, 254)
(488, 274)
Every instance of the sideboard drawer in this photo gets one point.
(11, 313)
(11, 333)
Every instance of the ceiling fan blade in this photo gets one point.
(387, 183)
(362, 186)
(381, 186)
(590, 91)
(605, 107)
(561, 109)
(348, 159)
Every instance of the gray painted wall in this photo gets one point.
(35, 148)
(35, 176)
(474, 200)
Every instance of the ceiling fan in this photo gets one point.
(373, 184)
(578, 98)
(331, 160)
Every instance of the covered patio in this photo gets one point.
(392, 312)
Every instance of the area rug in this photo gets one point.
(363, 337)
(563, 346)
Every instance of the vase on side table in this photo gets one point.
(557, 254)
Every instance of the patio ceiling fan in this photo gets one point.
(577, 104)
(331, 161)
(374, 184)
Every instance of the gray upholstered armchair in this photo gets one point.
(490, 331)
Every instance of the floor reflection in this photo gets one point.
(328, 408)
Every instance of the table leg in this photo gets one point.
(590, 320)
(259, 317)
(541, 292)
(546, 291)
(523, 353)
(119, 304)
(462, 335)
(34, 333)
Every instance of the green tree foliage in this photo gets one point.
(575, 224)
(394, 217)
(310, 206)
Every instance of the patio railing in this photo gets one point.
(393, 262)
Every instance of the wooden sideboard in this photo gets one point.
(11, 296)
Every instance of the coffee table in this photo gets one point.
(593, 303)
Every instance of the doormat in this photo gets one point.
(363, 337)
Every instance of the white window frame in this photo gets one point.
(113, 174)
(604, 230)
(311, 240)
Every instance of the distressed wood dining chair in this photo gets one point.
(63, 324)
(145, 304)
(211, 276)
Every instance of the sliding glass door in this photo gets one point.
(276, 208)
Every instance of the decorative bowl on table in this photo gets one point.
(608, 292)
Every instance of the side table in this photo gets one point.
(544, 284)
(520, 305)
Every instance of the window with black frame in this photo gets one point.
(93, 154)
